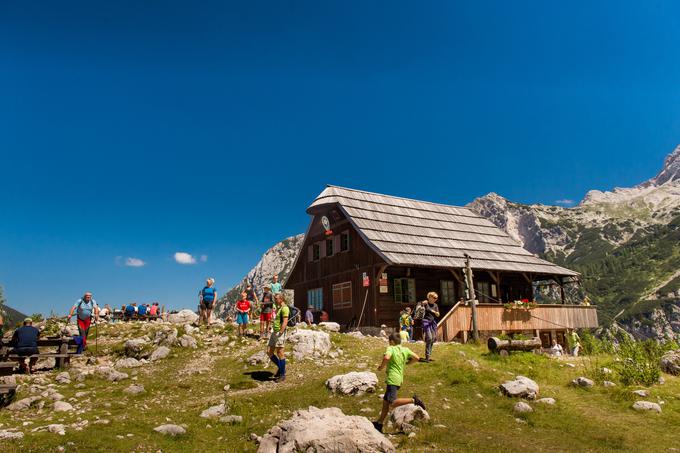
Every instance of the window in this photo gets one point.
(344, 241)
(316, 252)
(342, 296)
(448, 292)
(329, 247)
(315, 298)
(405, 290)
(486, 292)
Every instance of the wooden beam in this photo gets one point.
(458, 278)
(527, 278)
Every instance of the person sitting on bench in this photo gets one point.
(25, 344)
(130, 311)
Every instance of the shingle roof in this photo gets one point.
(420, 233)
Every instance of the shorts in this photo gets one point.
(277, 340)
(208, 305)
(266, 317)
(242, 318)
(25, 352)
(391, 393)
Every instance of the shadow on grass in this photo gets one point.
(260, 375)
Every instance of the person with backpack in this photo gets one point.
(396, 357)
(266, 312)
(277, 340)
(85, 308)
(242, 311)
(207, 297)
(430, 322)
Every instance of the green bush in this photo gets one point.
(639, 361)
(591, 345)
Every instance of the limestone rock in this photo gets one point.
(582, 382)
(135, 347)
(520, 387)
(165, 337)
(647, 406)
(63, 378)
(170, 430)
(608, 384)
(111, 374)
(259, 358)
(23, 404)
(128, 362)
(11, 435)
(353, 383)
(670, 362)
(406, 417)
(134, 389)
(160, 353)
(214, 411)
(231, 419)
(324, 430)
(330, 326)
(310, 344)
(522, 408)
(183, 317)
(187, 341)
(548, 401)
(57, 429)
(356, 334)
(62, 406)
(641, 393)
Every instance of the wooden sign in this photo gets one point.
(383, 284)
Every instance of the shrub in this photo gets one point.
(639, 361)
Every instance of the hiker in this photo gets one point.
(324, 316)
(277, 340)
(153, 310)
(207, 297)
(141, 310)
(266, 312)
(406, 322)
(129, 311)
(106, 312)
(251, 296)
(556, 349)
(242, 311)
(25, 344)
(275, 286)
(85, 307)
(575, 343)
(430, 322)
(395, 358)
(309, 315)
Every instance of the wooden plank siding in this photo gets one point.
(493, 317)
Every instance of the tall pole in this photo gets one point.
(471, 295)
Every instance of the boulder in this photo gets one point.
(404, 418)
(165, 337)
(187, 341)
(110, 374)
(647, 406)
(330, 326)
(327, 430)
(582, 382)
(135, 347)
(128, 362)
(641, 393)
(216, 322)
(231, 419)
(23, 404)
(259, 358)
(356, 334)
(522, 408)
(189, 329)
(71, 330)
(183, 317)
(170, 430)
(214, 411)
(134, 389)
(608, 384)
(353, 383)
(62, 406)
(310, 344)
(11, 435)
(57, 429)
(520, 387)
(548, 401)
(670, 362)
(160, 353)
(63, 378)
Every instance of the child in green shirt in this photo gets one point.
(395, 359)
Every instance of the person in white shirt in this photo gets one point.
(556, 349)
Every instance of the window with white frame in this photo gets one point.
(315, 298)
(405, 290)
(447, 294)
(342, 296)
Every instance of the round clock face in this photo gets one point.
(326, 223)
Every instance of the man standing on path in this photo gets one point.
(86, 306)
(277, 340)
(207, 298)
(276, 286)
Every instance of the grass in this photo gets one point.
(462, 398)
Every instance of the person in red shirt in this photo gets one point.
(242, 310)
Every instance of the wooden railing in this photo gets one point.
(494, 317)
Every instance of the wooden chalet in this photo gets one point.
(367, 256)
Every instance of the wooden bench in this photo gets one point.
(62, 355)
(7, 368)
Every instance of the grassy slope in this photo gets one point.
(463, 399)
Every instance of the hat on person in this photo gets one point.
(29, 320)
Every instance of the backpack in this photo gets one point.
(420, 312)
(293, 316)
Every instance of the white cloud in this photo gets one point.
(204, 258)
(184, 258)
(134, 262)
(565, 201)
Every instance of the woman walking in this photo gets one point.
(430, 322)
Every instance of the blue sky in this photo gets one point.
(141, 129)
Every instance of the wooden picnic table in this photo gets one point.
(62, 355)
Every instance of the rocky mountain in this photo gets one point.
(625, 242)
(277, 260)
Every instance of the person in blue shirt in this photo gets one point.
(207, 297)
(25, 343)
(85, 307)
(141, 310)
(130, 311)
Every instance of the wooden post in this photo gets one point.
(561, 282)
(471, 295)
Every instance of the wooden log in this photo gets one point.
(496, 344)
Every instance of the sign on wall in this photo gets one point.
(366, 280)
(383, 284)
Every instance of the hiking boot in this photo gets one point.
(280, 378)
(418, 402)
(378, 426)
